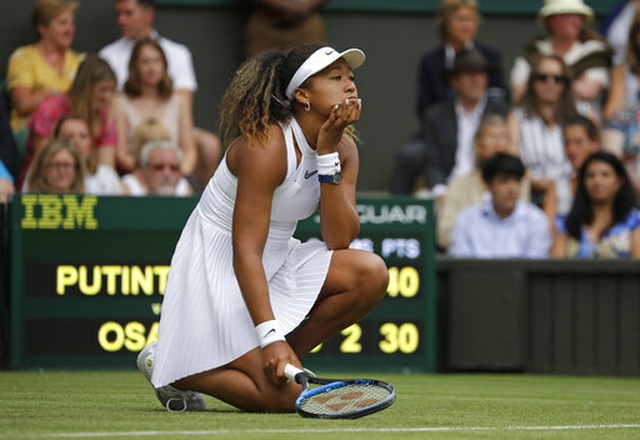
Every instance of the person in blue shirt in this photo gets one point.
(603, 221)
(503, 226)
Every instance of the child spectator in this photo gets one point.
(503, 226)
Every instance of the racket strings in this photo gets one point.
(346, 399)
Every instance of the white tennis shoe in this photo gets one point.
(172, 399)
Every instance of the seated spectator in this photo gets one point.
(585, 52)
(581, 139)
(536, 124)
(492, 137)
(625, 77)
(148, 94)
(603, 221)
(6, 184)
(503, 226)
(57, 168)
(46, 67)
(148, 130)
(136, 21)
(159, 172)
(278, 25)
(616, 26)
(458, 22)
(449, 127)
(99, 179)
(8, 148)
(90, 97)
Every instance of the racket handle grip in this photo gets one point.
(291, 371)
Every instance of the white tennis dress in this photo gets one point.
(205, 322)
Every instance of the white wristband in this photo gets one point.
(328, 164)
(269, 332)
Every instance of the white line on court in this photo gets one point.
(129, 434)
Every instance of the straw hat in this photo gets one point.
(557, 7)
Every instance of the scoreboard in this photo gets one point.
(88, 276)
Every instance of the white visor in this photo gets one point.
(318, 61)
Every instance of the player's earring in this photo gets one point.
(307, 106)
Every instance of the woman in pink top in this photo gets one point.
(89, 97)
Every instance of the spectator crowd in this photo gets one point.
(544, 162)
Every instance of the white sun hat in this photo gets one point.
(557, 7)
(321, 59)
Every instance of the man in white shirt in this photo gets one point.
(503, 226)
(135, 19)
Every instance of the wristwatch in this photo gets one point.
(334, 178)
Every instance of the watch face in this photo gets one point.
(337, 177)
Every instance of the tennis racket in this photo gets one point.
(339, 398)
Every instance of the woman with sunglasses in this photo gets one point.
(584, 50)
(536, 124)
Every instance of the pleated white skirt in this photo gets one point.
(204, 322)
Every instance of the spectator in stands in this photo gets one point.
(283, 25)
(503, 226)
(621, 135)
(491, 137)
(46, 67)
(99, 179)
(7, 187)
(150, 129)
(616, 26)
(149, 94)
(536, 124)
(159, 172)
(449, 127)
(57, 168)
(90, 97)
(458, 22)
(585, 52)
(8, 148)
(603, 221)
(581, 139)
(623, 96)
(135, 19)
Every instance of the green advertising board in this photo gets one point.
(88, 275)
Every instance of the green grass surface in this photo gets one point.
(106, 405)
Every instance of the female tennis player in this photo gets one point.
(243, 297)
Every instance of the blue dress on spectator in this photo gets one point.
(615, 242)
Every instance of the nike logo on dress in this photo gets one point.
(309, 174)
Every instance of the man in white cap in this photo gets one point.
(584, 51)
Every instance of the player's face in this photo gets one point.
(601, 182)
(332, 86)
(505, 192)
(60, 172)
(134, 20)
(150, 65)
(578, 146)
(61, 30)
(77, 131)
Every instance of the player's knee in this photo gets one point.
(374, 278)
(278, 402)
